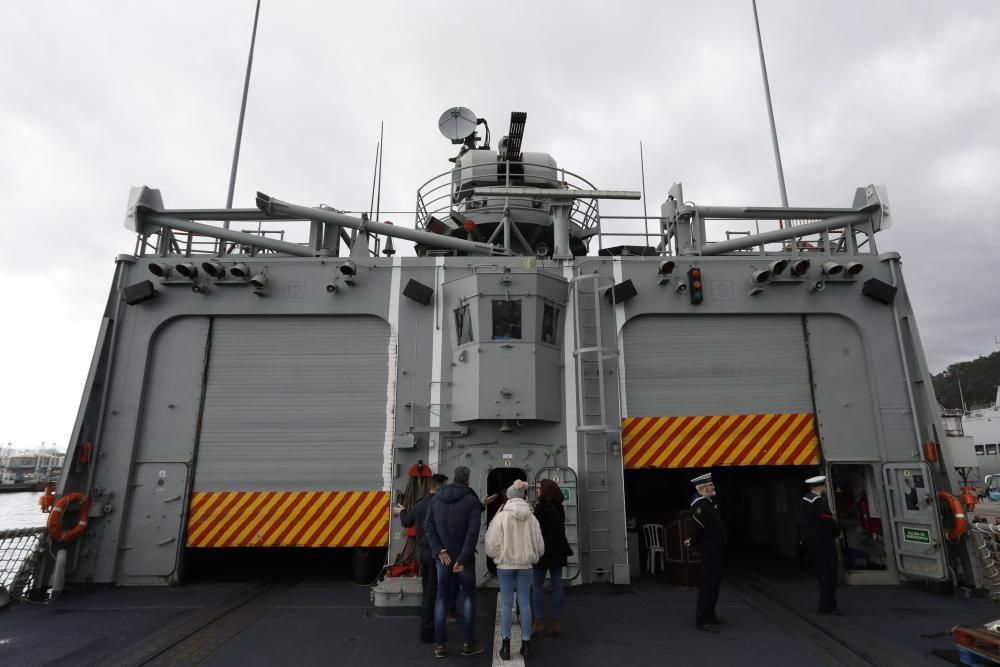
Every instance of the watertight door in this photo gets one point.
(914, 523)
(152, 544)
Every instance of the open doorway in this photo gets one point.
(760, 505)
(853, 496)
(497, 482)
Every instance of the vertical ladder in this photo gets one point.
(592, 356)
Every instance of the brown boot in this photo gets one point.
(537, 627)
(555, 628)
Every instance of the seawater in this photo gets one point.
(20, 510)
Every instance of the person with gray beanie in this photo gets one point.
(514, 542)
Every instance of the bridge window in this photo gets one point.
(463, 324)
(991, 450)
(980, 450)
(550, 324)
(506, 320)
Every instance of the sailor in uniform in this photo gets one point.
(709, 537)
(820, 533)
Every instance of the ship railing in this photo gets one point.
(642, 235)
(633, 234)
(836, 241)
(251, 222)
(188, 244)
(448, 196)
(21, 549)
(986, 539)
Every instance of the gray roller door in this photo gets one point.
(715, 365)
(294, 404)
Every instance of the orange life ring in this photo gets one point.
(56, 530)
(952, 516)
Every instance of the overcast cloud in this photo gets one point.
(100, 96)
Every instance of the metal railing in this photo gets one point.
(644, 231)
(986, 537)
(20, 551)
(450, 193)
(189, 244)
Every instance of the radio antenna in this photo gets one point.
(642, 169)
(378, 197)
(770, 111)
(371, 204)
(243, 110)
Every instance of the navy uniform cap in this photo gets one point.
(702, 479)
(816, 481)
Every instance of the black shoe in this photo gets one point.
(472, 649)
(505, 650)
(719, 621)
(831, 612)
(525, 649)
(708, 627)
(440, 651)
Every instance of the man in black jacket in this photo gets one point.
(452, 528)
(819, 532)
(709, 537)
(415, 518)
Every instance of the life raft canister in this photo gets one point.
(56, 530)
(952, 516)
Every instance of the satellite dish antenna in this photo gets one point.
(457, 124)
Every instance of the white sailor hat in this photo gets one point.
(702, 479)
(816, 481)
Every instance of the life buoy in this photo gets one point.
(952, 516)
(56, 530)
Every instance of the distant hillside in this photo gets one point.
(979, 380)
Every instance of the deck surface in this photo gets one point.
(333, 623)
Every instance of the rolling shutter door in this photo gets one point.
(294, 404)
(717, 390)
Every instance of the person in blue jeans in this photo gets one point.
(552, 520)
(416, 517)
(514, 542)
(452, 530)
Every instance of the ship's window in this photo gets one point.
(506, 320)
(980, 450)
(550, 324)
(463, 324)
(991, 450)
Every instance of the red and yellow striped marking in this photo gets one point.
(288, 519)
(720, 440)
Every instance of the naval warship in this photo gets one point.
(251, 394)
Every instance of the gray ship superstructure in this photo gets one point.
(251, 392)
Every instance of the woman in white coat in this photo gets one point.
(514, 542)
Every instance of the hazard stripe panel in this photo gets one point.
(288, 519)
(720, 440)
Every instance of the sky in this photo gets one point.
(100, 96)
